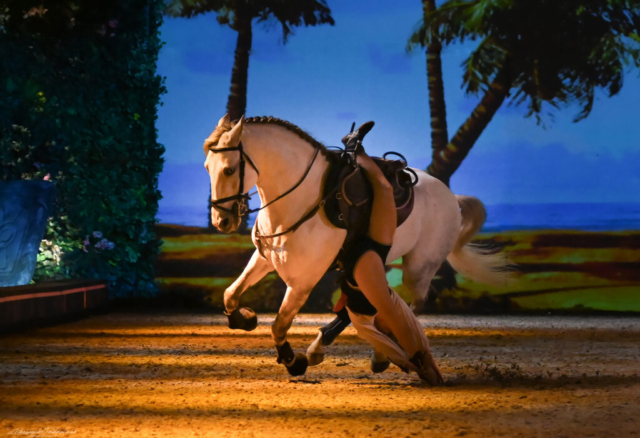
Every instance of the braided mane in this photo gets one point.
(269, 120)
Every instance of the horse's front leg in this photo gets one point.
(293, 300)
(244, 318)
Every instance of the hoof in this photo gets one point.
(379, 367)
(299, 365)
(315, 359)
(243, 318)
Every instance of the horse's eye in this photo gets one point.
(229, 171)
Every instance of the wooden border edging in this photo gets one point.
(33, 305)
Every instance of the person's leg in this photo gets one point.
(369, 271)
(370, 275)
(383, 222)
(429, 371)
(367, 330)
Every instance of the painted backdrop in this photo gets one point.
(562, 196)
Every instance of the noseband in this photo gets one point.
(241, 207)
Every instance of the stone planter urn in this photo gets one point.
(24, 210)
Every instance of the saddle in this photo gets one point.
(350, 207)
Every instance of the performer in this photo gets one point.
(377, 312)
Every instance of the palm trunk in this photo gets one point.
(237, 103)
(437, 108)
(445, 277)
(447, 161)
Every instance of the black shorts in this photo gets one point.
(356, 301)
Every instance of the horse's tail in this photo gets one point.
(477, 261)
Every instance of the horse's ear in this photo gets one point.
(236, 132)
(225, 122)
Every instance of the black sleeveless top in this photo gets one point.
(356, 301)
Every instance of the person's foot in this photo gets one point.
(427, 368)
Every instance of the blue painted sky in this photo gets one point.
(326, 77)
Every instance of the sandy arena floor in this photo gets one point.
(188, 375)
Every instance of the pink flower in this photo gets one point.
(105, 244)
(47, 177)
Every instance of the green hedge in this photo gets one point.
(78, 104)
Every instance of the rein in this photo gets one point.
(241, 208)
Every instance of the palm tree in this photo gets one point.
(545, 54)
(445, 277)
(435, 84)
(239, 15)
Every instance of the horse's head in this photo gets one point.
(231, 175)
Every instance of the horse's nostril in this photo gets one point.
(224, 222)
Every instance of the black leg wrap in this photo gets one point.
(285, 353)
(331, 331)
(243, 318)
(296, 364)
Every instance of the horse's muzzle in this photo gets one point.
(227, 223)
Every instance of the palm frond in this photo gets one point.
(482, 65)
(294, 13)
(191, 8)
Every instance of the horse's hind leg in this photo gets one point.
(418, 271)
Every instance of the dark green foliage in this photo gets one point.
(555, 51)
(78, 97)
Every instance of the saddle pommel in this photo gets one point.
(352, 139)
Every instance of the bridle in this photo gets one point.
(241, 207)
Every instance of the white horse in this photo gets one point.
(273, 155)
